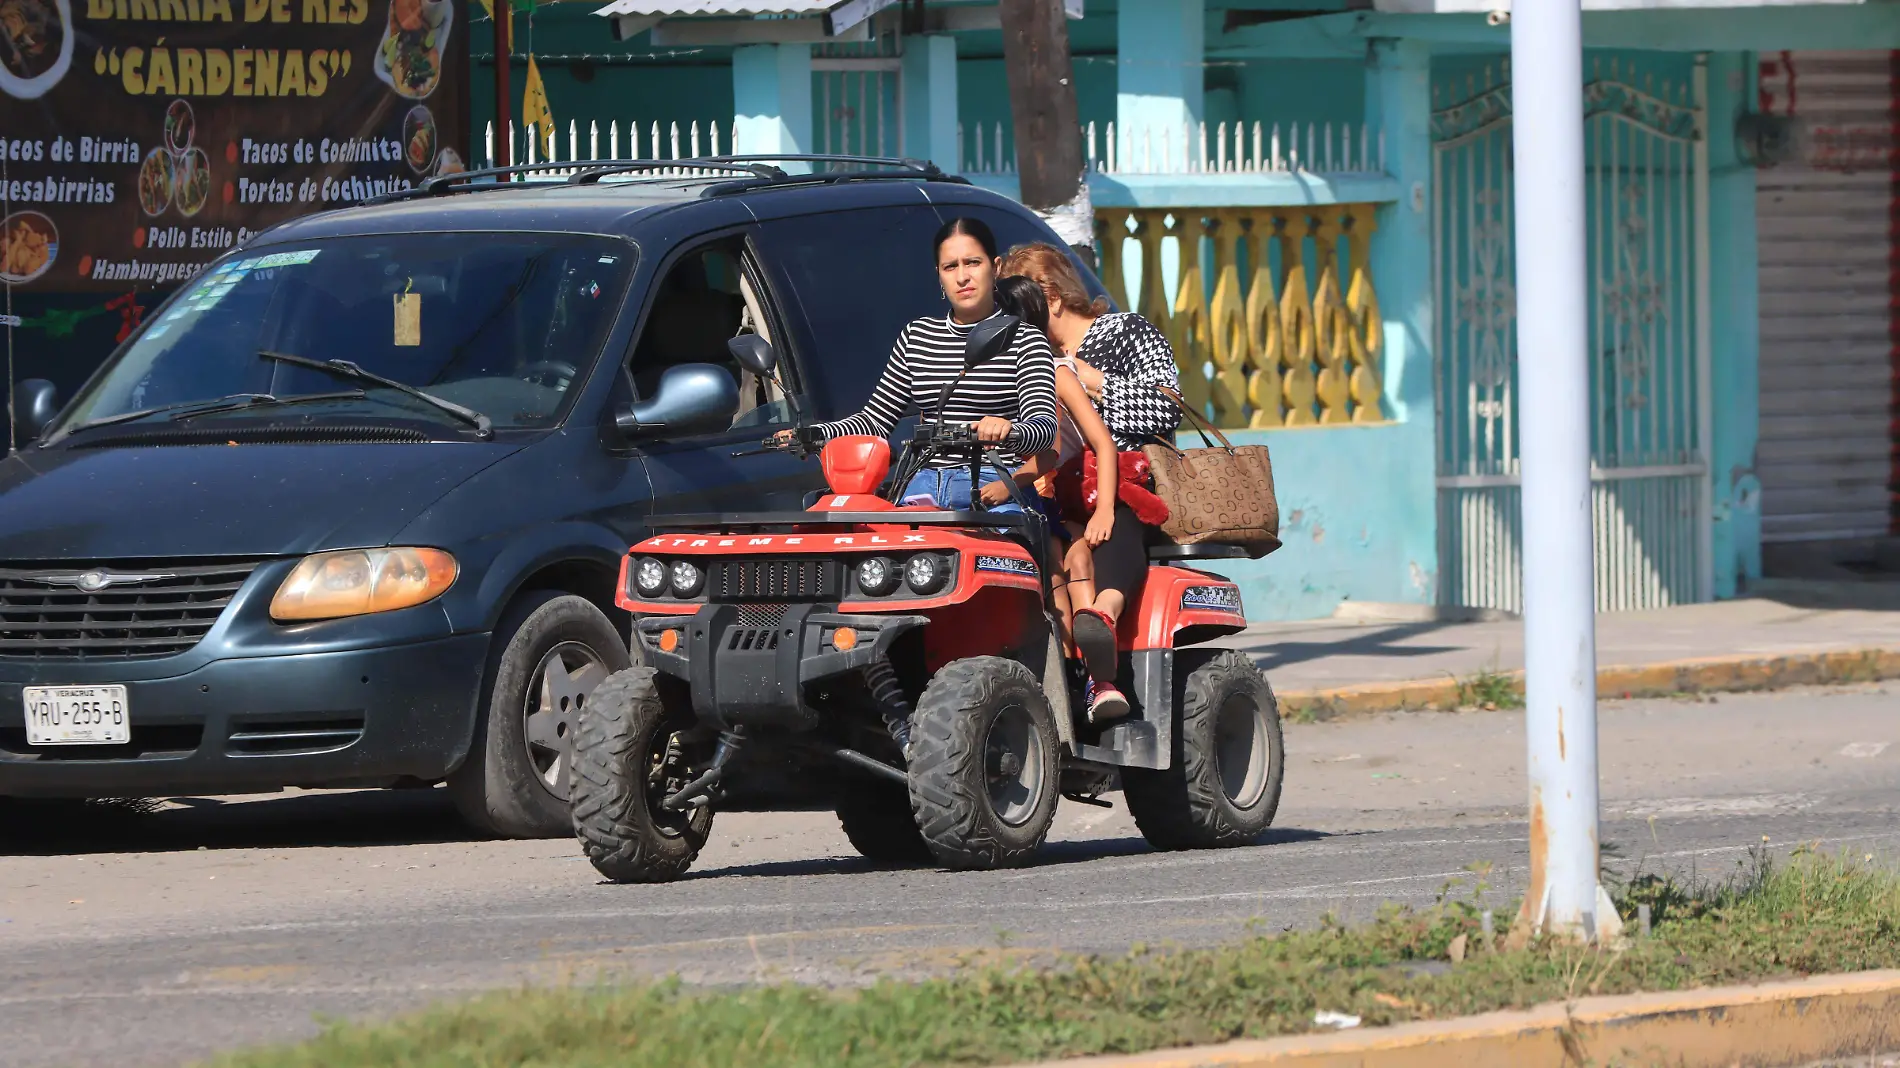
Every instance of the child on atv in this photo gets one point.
(1079, 429)
(1122, 363)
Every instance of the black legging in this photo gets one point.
(1121, 562)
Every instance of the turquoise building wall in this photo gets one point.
(1734, 287)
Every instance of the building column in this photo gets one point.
(1159, 79)
(771, 97)
(1735, 333)
(929, 87)
(1398, 105)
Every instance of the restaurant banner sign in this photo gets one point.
(140, 139)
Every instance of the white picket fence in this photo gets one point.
(1225, 148)
(656, 141)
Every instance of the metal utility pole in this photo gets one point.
(1043, 113)
(504, 44)
(1553, 332)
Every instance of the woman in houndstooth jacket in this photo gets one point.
(1123, 363)
(1122, 359)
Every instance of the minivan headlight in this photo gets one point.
(357, 582)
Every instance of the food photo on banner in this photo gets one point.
(141, 139)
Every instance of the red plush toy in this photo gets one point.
(1075, 488)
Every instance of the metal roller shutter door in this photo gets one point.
(1827, 348)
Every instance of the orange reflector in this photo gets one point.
(669, 640)
(844, 639)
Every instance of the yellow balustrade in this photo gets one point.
(1298, 345)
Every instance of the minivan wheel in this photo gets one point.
(550, 652)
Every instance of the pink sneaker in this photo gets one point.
(1106, 703)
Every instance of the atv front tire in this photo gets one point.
(1222, 784)
(627, 757)
(984, 764)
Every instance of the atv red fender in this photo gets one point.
(733, 562)
(1181, 606)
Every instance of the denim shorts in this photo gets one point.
(949, 487)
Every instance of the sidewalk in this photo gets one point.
(1785, 625)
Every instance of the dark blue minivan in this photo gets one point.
(349, 509)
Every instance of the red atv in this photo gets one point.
(903, 664)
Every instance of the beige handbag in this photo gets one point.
(1221, 495)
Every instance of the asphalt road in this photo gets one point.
(213, 923)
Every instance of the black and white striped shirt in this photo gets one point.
(1019, 385)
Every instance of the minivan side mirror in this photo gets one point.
(754, 354)
(693, 398)
(989, 339)
(35, 404)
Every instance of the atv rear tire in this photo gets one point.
(626, 758)
(984, 764)
(1222, 784)
(876, 817)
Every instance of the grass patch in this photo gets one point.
(1813, 914)
(1490, 691)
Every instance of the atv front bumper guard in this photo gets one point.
(755, 674)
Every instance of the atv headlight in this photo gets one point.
(687, 578)
(925, 573)
(877, 576)
(357, 582)
(649, 577)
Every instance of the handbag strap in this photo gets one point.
(1195, 420)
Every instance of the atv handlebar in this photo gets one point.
(804, 441)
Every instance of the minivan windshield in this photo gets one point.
(501, 324)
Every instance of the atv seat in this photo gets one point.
(1167, 551)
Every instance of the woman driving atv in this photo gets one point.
(1009, 401)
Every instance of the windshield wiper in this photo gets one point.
(263, 400)
(345, 369)
(186, 407)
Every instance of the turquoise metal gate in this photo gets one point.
(1647, 197)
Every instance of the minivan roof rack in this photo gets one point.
(752, 172)
(883, 167)
(921, 167)
(585, 172)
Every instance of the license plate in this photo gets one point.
(77, 715)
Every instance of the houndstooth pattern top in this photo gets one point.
(1134, 358)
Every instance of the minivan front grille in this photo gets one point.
(789, 580)
(116, 610)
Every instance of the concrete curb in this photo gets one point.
(1716, 674)
(1787, 1023)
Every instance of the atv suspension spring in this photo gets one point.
(700, 790)
(881, 679)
